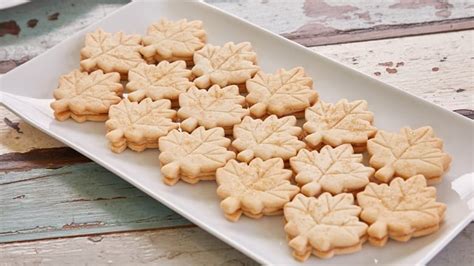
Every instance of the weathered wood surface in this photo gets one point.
(185, 246)
(438, 67)
(75, 200)
(30, 29)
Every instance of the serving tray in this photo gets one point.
(27, 91)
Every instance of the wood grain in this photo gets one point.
(75, 200)
(185, 246)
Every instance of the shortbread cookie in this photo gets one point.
(333, 170)
(226, 65)
(403, 210)
(216, 107)
(270, 138)
(339, 123)
(255, 189)
(326, 226)
(139, 125)
(111, 52)
(84, 96)
(282, 93)
(164, 81)
(173, 40)
(408, 153)
(193, 157)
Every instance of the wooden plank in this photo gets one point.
(438, 67)
(30, 29)
(188, 246)
(75, 200)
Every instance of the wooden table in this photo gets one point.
(56, 205)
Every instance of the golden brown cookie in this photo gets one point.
(339, 123)
(230, 64)
(269, 138)
(163, 81)
(255, 189)
(111, 52)
(216, 107)
(193, 156)
(84, 96)
(139, 125)
(405, 209)
(325, 226)
(287, 92)
(408, 153)
(333, 170)
(173, 40)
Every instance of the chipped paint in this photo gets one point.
(387, 64)
(377, 73)
(399, 64)
(74, 225)
(9, 27)
(32, 23)
(53, 16)
(14, 125)
(391, 70)
(319, 8)
(435, 69)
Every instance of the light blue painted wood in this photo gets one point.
(75, 200)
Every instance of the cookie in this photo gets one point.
(111, 52)
(333, 170)
(269, 138)
(139, 125)
(216, 107)
(231, 64)
(194, 156)
(325, 226)
(173, 40)
(82, 96)
(163, 81)
(405, 209)
(287, 92)
(339, 123)
(408, 153)
(255, 189)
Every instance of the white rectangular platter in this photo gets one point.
(27, 91)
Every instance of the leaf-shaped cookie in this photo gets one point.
(193, 157)
(173, 40)
(115, 52)
(326, 226)
(408, 153)
(335, 124)
(257, 189)
(270, 138)
(139, 125)
(400, 211)
(333, 170)
(226, 65)
(84, 96)
(163, 81)
(216, 107)
(282, 93)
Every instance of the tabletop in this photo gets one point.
(56, 204)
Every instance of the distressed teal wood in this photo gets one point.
(75, 200)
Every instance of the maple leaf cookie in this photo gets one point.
(408, 153)
(216, 107)
(139, 125)
(255, 189)
(325, 226)
(163, 81)
(111, 52)
(283, 93)
(401, 210)
(231, 64)
(173, 40)
(269, 138)
(333, 170)
(84, 96)
(339, 123)
(193, 156)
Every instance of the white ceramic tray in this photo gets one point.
(27, 91)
